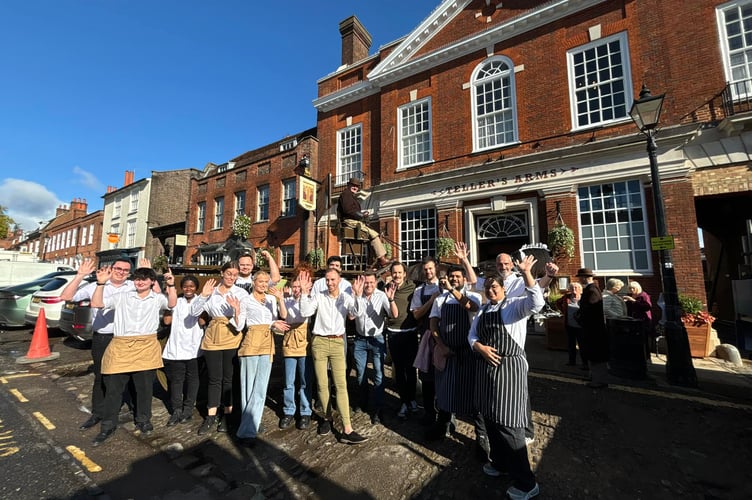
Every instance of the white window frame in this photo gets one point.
(91, 234)
(625, 80)
(611, 223)
(418, 234)
(739, 73)
(130, 239)
(262, 203)
(239, 203)
(134, 202)
(490, 79)
(219, 212)
(289, 199)
(287, 256)
(414, 134)
(117, 207)
(200, 216)
(115, 229)
(83, 235)
(349, 154)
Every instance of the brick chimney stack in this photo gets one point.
(129, 175)
(60, 210)
(356, 40)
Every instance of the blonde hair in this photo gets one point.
(636, 286)
(614, 283)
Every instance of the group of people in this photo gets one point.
(463, 336)
(586, 311)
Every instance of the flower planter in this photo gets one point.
(700, 344)
(556, 334)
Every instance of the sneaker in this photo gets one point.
(145, 428)
(286, 421)
(515, 494)
(414, 408)
(174, 418)
(324, 428)
(222, 425)
(304, 422)
(207, 425)
(376, 418)
(490, 470)
(352, 438)
(186, 417)
(402, 413)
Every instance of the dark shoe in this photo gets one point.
(490, 470)
(91, 422)
(208, 424)
(438, 432)
(247, 442)
(357, 409)
(376, 418)
(325, 427)
(304, 422)
(145, 428)
(103, 436)
(515, 494)
(174, 418)
(286, 421)
(186, 417)
(222, 425)
(353, 438)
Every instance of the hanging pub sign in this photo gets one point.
(307, 189)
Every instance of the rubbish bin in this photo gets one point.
(627, 340)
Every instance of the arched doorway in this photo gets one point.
(499, 233)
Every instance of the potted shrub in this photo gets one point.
(315, 258)
(698, 324)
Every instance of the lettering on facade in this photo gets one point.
(493, 183)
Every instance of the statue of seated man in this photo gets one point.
(350, 214)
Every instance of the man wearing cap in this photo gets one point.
(351, 215)
(595, 335)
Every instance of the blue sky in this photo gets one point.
(93, 88)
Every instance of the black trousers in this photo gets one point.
(403, 347)
(99, 343)
(509, 453)
(574, 338)
(219, 369)
(183, 377)
(113, 396)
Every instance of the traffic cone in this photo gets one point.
(39, 350)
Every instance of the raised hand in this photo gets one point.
(390, 290)
(86, 267)
(144, 262)
(551, 268)
(305, 282)
(103, 274)
(168, 278)
(357, 285)
(273, 290)
(526, 265)
(280, 326)
(460, 250)
(234, 302)
(208, 287)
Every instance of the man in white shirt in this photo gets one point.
(374, 307)
(245, 270)
(333, 262)
(327, 345)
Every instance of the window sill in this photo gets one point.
(416, 165)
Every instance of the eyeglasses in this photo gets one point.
(121, 269)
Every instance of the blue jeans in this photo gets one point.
(377, 348)
(254, 379)
(297, 365)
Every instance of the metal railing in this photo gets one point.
(737, 97)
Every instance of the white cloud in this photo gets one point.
(27, 203)
(88, 179)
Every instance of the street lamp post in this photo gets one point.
(646, 112)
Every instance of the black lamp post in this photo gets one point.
(646, 112)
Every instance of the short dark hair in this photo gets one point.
(232, 264)
(455, 269)
(370, 273)
(124, 260)
(428, 259)
(189, 279)
(334, 258)
(395, 264)
(145, 273)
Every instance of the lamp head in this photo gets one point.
(646, 111)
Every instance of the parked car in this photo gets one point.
(48, 298)
(15, 298)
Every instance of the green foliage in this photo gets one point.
(315, 257)
(554, 294)
(159, 263)
(241, 226)
(690, 305)
(561, 241)
(444, 247)
(5, 223)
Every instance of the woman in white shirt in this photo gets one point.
(181, 353)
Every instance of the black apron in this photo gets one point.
(453, 393)
(501, 391)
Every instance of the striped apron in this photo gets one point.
(501, 391)
(454, 384)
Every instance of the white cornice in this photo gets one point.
(346, 95)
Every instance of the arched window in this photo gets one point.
(503, 226)
(494, 104)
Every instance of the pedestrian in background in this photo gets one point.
(613, 305)
(569, 305)
(181, 353)
(595, 334)
(220, 344)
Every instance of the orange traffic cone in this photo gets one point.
(39, 350)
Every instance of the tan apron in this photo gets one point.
(134, 353)
(295, 341)
(258, 340)
(220, 335)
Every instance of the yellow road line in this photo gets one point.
(5, 379)
(79, 455)
(18, 395)
(649, 392)
(44, 421)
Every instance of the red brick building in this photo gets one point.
(262, 184)
(491, 119)
(73, 235)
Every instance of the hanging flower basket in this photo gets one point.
(444, 247)
(315, 257)
(561, 241)
(241, 226)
